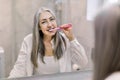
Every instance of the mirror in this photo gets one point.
(16, 20)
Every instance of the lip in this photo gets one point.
(50, 29)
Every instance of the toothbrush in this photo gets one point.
(59, 28)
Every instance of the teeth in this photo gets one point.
(50, 29)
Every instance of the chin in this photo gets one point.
(51, 34)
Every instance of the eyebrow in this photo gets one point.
(48, 18)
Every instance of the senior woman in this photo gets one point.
(48, 52)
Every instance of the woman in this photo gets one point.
(107, 44)
(47, 52)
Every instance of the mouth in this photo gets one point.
(51, 29)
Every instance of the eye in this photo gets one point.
(43, 22)
(52, 19)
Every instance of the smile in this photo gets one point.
(51, 29)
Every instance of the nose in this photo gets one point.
(49, 24)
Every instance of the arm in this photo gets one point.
(78, 55)
(19, 69)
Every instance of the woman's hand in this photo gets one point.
(68, 31)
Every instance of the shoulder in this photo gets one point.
(27, 43)
(114, 76)
(28, 37)
(28, 40)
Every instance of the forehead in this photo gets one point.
(45, 15)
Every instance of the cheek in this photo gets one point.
(55, 23)
(43, 30)
(42, 27)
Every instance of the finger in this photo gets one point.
(66, 26)
(68, 29)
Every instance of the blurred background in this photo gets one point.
(16, 21)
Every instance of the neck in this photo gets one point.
(47, 38)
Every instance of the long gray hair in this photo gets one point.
(37, 42)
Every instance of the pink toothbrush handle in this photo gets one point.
(59, 28)
(66, 26)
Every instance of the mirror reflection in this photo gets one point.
(24, 23)
(48, 49)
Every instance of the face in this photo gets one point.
(47, 22)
